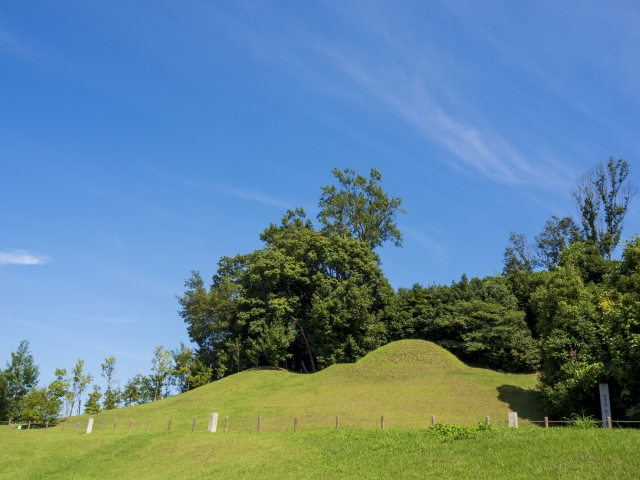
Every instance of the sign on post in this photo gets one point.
(513, 420)
(90, 425)
(605, 403)
(213, 423)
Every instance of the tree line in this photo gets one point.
(315, 295)
(22, 399)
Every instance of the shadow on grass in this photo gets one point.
(527, 403)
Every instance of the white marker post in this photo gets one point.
(513, 420)
(213, 423)
(605, 403)
(90, 425)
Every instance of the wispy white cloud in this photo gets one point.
(252, 195)
(101, 319)
(10, 256)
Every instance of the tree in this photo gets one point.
(111, 395)
(189, 371)
(571, 343)
(161, 365)
(79, 384)
(308, 299)
(602, 197)
(558, 233)
(518, 255)
(132, 390)
(20, 376)
(93, 404)
(360, 209)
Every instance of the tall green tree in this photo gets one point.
(19, 377)
(360, 208)
(602, 197)
(557, 234)
(306, 300)
(111, 395)
(161, 366)
(79, 384)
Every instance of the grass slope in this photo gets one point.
(407, 381)
(347, 454)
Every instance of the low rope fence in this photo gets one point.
(215, 423)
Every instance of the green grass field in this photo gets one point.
(362, 454)
(406, 381)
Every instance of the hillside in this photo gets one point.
(407, 381)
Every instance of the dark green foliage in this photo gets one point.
(307, 299)
(478, 320)
(518, 255)
(360, 209)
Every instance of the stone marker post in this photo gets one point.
(486, 420)
(90, 425)
(213, 423)
(605, 403)
(513, 419)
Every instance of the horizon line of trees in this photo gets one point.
(314, 296)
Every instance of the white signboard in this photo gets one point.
(213, 422)
(90, 425)
(605, 403)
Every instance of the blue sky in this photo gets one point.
(142, 140)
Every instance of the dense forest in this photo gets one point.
(315, 295)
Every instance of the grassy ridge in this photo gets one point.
(372, 454)
(407, 381)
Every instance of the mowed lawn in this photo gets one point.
(406, 381)
(360, 454)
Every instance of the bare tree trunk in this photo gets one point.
(313, 366)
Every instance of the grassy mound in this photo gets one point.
(407, 381)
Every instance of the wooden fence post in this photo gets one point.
(486, 420)
(337, 422)
(609, 422)
(29, 426)
(115, 424)
(148, 424)
(130, 425)
(77, 425)
(193, 427)
(259, 422)
(169, 426)
(9, 424)
(382, 422)
(101, 423)
(433, 420)
(295, 424)
(62, 431)
(46, 426)
(546, 422)
(226, 423)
